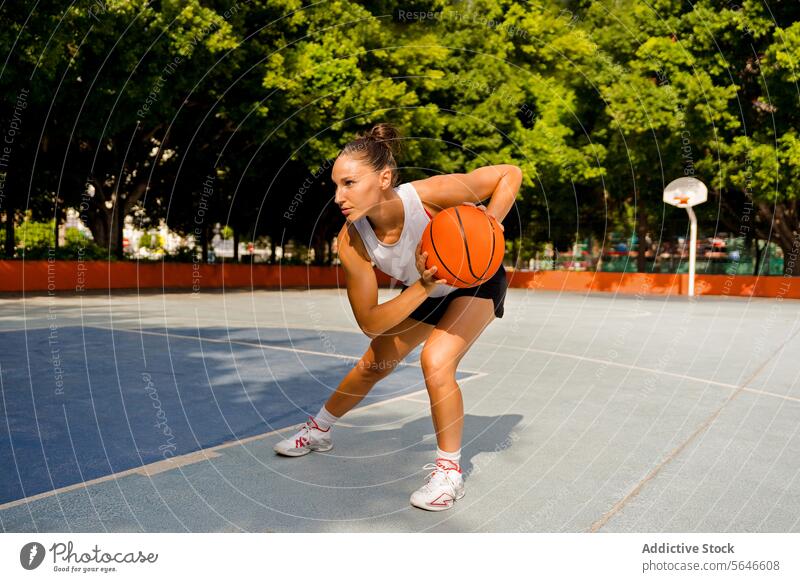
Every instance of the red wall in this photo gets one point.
(657, 283)
(16, 276)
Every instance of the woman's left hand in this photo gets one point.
(486, 210)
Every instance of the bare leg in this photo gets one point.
(463, 322)
(382, 356)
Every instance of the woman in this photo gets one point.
(384, 224)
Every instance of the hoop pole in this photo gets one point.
(692, 248)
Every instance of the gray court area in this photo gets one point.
(582, 413)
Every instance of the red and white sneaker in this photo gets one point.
(442, 487)
(309, 438)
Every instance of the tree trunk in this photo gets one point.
(319, 251)
(759, 252)
(10, 215)
(204, 242)
(641, 233)
(98, 225)
(99, 218)
(56, 221)
(273, 249)
(236, 245)
(120, 227)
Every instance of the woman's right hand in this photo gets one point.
(428, 276)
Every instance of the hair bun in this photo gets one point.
(377, 147)
(387, 134)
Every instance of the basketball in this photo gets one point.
(465, 244)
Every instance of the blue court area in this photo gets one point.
(84, 402)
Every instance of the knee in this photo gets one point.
(438, 366)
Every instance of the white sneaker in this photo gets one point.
(442, 487)
(309, 438)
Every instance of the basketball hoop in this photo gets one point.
(681, 201)
(684, 193)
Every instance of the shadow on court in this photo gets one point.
(364, 483)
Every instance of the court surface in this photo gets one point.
(583, 413)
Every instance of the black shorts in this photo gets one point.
(432, 309)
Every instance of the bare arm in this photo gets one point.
(362, 287)
(500, 183)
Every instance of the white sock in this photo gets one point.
(325, 419)
(454, 457)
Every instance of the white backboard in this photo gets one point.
(685, 192)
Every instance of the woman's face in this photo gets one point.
(358, 186)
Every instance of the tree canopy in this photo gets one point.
(201, 112)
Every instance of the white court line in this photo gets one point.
(262, 346)
(248, 323)
(642, 369)
(417, 365)
(211, 452)
(674, 453)
(159, 320)
(773, 394)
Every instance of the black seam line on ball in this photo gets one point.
(466, 247)
(441, 261)
(491, 255)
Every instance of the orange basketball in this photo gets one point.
(465, 244)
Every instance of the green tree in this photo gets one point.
(122, 98)
(705, 89)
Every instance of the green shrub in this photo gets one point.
(73, 236)
(35, 236)
(152, 241)
(182, 255)
(84, 249)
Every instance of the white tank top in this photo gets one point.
(398, 260)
